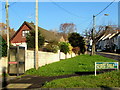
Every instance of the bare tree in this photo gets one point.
(67, 28)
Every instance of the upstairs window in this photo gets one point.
(24, 33)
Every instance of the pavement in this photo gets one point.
(6, 78)
(114, 56)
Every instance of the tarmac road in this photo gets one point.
(110, 55)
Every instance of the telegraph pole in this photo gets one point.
(36, 37)
(7, 23)
(93, 36)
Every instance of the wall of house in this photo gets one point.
(119, 41)
(19, 38)
(20, 44)
(3, 64)
(44, 58)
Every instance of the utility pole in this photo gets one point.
(7, 23)
(93, 36)
(36, 37)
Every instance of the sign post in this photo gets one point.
(106, 65)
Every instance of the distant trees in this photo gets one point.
(3, 31)
(3, 47)
(30, 39)
(67, 28)
(77, 41)
(99, 32)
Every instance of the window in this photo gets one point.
(24, 33)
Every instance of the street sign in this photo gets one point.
(106, 65)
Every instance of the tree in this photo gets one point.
(3, 47)
(64, 47)
(30, 39)
(77, 41)
(67, 28)
(3, 31)
(100, 31)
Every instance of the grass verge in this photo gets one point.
(82, 63)
(105, 80)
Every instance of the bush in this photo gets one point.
(51, 48)
(76, 50)
(77, 41)
(3, 47)
(64, 47)
(70, 49)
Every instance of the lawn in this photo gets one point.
(109, 79)
(82, 63)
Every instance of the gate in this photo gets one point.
(16, 60)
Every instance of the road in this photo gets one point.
(110, 55)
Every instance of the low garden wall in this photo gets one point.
(44, 58)
(3, 64)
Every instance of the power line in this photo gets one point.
(8, 6)
(105, 8)
(65, 10)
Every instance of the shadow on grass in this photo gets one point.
(93, 72)
(84, 73)
(106, 88)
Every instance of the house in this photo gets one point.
(19, 38)
(110, 41)
(116, 41)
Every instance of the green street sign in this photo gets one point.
(106, 65)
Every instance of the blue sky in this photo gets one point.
(51, 15)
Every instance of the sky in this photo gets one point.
(52, 14)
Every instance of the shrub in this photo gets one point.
(77, 41)
(76, 50)
(3, 47)
(51, 48)
(70, 49)
(64, 47)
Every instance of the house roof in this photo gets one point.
(110, 34)
(49, 35)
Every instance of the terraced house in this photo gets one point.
(19, 38)
(110, 41)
